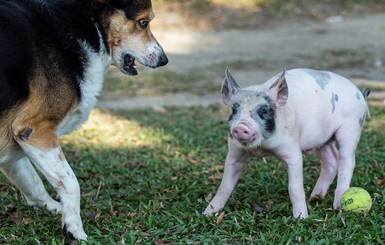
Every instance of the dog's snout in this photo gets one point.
(163, 60)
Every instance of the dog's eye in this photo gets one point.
(143, 23)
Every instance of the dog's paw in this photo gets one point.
(53, 207)
(74, 233)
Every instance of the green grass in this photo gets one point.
(145, 177)
(157, 83)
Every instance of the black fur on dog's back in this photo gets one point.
(44, 34)
(15, 53)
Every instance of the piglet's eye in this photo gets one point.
(143, 23)
(234, 109)
(264, 112)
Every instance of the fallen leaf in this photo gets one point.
(17, 217)
(215, 168)
(87, 194)
(220, 218)
(383, 227)
(158, 241)
(259, 208)
(209, 197)
(26, 221)
(249, 238)
(299, 239)
(215, 176)
(381, 182)
(192, 160)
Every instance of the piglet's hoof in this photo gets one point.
(210, 210)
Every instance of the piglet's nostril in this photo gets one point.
(241, 132)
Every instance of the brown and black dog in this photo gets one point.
(54, 54)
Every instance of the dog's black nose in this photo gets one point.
(163, 60)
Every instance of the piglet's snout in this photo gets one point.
(243, 133)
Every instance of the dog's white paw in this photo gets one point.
(53, 207)
(73, 227)
(74, 232)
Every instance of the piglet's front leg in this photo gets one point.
(233, 168)
(293, 161)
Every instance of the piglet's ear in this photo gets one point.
(279, 90)
(229, 87)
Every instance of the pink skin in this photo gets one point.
(242, 133)
(313, 110)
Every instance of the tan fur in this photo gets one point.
(124, 32)
(42, 111)
(7, 144)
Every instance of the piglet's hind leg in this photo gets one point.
(347, 139)
(329, 162)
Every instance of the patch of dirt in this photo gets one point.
(349, 44)
(249, 15)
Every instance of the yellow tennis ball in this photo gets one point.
(356, 199)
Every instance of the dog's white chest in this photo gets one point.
(90, 88)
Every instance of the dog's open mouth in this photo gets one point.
(129, 66)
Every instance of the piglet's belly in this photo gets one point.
(315, 141)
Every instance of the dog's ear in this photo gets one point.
(136, 4)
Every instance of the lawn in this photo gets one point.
(146, 177)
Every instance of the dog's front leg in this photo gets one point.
(56, 169)
(42, 147)
(21, 173)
